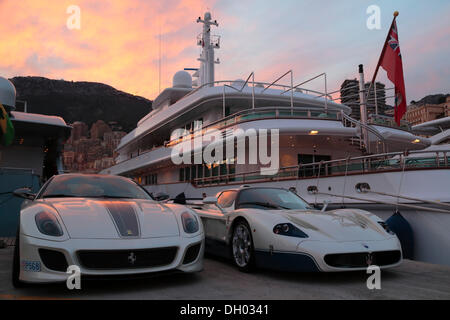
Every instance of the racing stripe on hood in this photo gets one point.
(124, 218)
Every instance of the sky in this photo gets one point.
(120, 42)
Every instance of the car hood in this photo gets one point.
(115, 219)
(336, 225)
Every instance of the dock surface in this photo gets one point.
(221, 280)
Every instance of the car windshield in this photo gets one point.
(271, 198)
(93, 186)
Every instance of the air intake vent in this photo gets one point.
(53, 260)
(192, 253)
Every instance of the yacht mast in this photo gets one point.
(208, 43)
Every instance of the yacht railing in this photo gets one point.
(283, 113)
(261, 114)
(347, 120)
(394, 161)
(263, 86)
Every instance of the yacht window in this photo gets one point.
(199, 171)
(151, 179)
(187, 173)
(181, 174)
(308, 171)
(223, 169)
(207, 170)
(215, 170)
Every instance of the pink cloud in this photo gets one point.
(118, 42)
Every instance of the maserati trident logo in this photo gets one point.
(132, 258)
(369, 259)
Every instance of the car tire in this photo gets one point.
(17, 283)
(242, 249)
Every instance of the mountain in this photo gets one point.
(431, 99)
(81, 101)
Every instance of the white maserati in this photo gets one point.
(275, 228)
(105, 225)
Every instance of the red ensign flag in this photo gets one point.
(391, 61)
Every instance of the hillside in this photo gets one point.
(81, 101)
(432, 99)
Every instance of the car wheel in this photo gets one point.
(242, 250)
(17, 283)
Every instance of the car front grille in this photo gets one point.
(363, 259)
(126, 259)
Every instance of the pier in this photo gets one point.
(221, 280)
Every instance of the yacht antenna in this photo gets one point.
(363, 107)
(159, 61)
(208, 44)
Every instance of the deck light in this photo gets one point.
(416, 141)
(313, 132)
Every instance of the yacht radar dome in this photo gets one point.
(7, 93)
(182, 79)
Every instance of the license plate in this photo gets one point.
(31, 266)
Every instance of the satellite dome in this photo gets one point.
(182, 79)
(207, 16)
(7, 92)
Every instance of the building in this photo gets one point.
(89, 153)
(69, 158)
(112, 139)
(380, 106)
(79, 130)
(350, 97)
(389, 111)
(98, 129)
(421, 113)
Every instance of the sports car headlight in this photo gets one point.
(190, 223)
(48, 224)
(288, 229)
(386, 227)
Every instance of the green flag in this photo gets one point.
(6, 128)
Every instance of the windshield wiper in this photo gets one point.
(110, 196)
(262, 204)
(79, 196)
(60, 195)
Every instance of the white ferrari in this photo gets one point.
(275, 228)
(105, 225)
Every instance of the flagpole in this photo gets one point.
(382, 54)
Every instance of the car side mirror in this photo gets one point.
(161, 196)
(213, 201)
(24, 193)
(210, 200)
